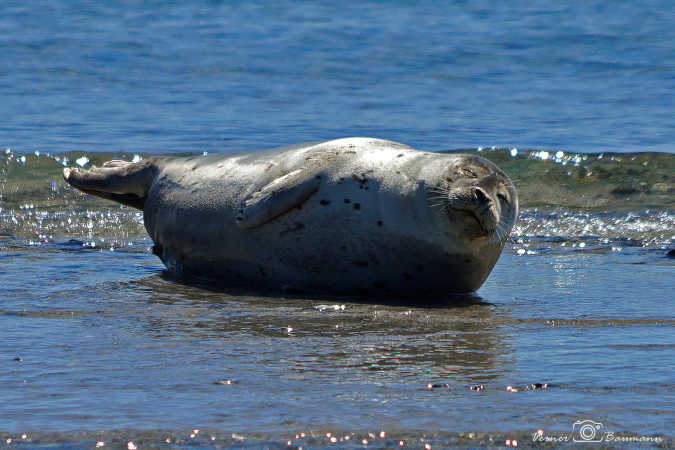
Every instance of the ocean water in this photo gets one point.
(217, 75)
(575, 323)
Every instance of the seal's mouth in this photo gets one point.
(476, 206)
(483, 219)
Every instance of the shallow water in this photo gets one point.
(127, 348)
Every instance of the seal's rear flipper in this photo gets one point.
(121, 181)
(277, 197)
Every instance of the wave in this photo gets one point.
(627, 198)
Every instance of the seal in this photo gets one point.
(360, 216)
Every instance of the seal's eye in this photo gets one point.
(502, 197)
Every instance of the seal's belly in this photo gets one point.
(344, 239)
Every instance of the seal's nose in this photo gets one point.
(480, 196)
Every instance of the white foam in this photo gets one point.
(82, 161)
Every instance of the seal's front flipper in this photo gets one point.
(277, 197)
(121, 181)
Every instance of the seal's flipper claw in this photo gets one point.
(277, 197)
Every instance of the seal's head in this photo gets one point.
(479, 195)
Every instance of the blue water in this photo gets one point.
(215, 76)
(109, 348)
